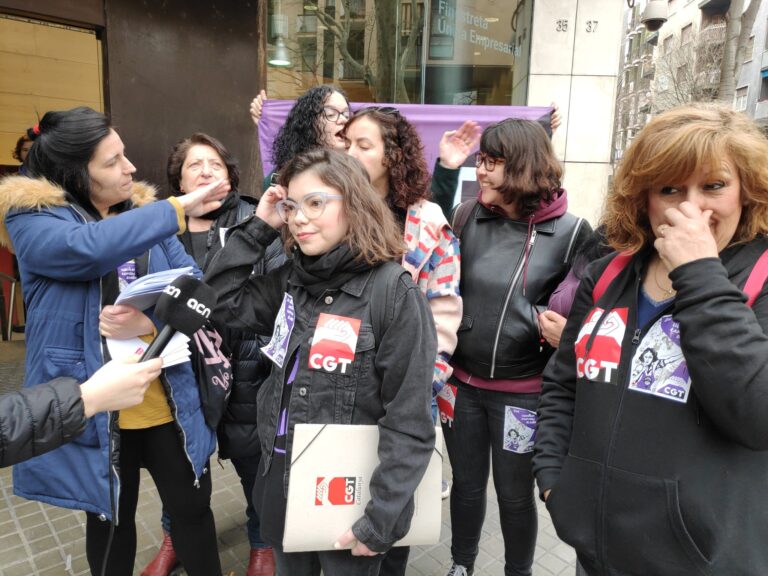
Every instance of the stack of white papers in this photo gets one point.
(143, 292)
(175, 352)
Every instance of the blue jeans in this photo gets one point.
(246, 468)
(475, 442)
(332, 563)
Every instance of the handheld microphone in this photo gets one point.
(184, 305)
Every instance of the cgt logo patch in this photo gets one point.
(334, 343)
(600, 362)
(338, 490)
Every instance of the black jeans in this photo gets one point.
(332, 563)
(159, 450)
(475, 442)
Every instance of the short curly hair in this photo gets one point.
(671, 147)
(403, 155)
(19, 145)
(302, 131)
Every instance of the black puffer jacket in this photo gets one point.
(237, 434)
(36, 420)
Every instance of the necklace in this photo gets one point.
(668, 291)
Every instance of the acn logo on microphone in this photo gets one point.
(201, 309)
(172, 291)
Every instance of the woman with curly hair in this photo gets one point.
(390, 149)
(315, 121)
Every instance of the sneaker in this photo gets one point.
(459, 570)
(446, 490)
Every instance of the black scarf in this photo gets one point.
(229, 202)
(328, 271)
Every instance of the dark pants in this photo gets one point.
(395, 561)
(246, 468)
(159, 450)
(332, 563)
(475, 442)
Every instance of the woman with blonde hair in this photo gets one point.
(342, 288)
(656, 475)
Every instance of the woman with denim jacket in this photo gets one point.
(346, 243)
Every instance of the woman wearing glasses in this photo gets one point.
(517, 243)
(316, 121)
(390, 149)
(342, 289)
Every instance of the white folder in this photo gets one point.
(331, 467)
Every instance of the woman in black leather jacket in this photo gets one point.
(517, 242)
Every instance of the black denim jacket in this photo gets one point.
(388, 384)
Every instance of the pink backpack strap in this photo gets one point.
(610, 272)
(756, 279)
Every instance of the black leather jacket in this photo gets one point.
(499, 335)
(389, 382)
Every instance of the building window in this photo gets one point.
(740, 99)
(686, 34)
(764, 85)
(750, 50)
(667, 44)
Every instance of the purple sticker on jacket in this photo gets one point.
(658, 366)
(519, 429)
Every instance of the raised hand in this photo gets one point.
(256, 105)
(685, 236)
(267, 208)
(456, 145)
(205, 198)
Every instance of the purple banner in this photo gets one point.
(431, 121)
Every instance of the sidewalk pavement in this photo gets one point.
(44, 540)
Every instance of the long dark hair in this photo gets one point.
(302, 130)
(532, 172)
(63, 149)
(179, 155)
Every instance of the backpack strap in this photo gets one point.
(610, 272)
(756, 279)
(752, 288)
(384, 279)
(461, 216)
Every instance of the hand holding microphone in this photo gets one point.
(184, 306)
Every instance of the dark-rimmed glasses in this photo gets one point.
(488, 161)
(333, 115)
(312, 206)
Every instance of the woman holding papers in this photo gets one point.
(80, 228)
(353, 343)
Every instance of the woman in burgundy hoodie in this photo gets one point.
(517, 242)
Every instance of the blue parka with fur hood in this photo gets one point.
(63, 256)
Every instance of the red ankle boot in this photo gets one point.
(262, 562)
(164, 562)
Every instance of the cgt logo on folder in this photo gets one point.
(338, 491)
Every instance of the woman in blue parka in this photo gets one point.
(81, 229)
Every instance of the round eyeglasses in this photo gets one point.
(312, 206)
(487, 161)
(333, 115)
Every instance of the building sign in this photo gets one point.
(442, 29)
